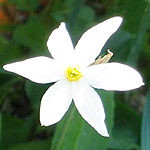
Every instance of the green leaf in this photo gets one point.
(5, 76)
(35, 145)
(132, 12)
(78, 17)
(119, 43)
(73, 5)
(35, 92)
(86, 14)
(3, 42)
(138, 44)
(74, 133)
(4, 87)
(145, 131)
(13, 130)
(126, 131)
(33, 35)
(26, 5)
(10, 52)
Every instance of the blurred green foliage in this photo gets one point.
(24, 29)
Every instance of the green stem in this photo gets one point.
(65, 127)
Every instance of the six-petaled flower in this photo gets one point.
(74, 75)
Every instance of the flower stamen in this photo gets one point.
(73, 73)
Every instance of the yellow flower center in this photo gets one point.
(73, 73)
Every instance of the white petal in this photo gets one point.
(90, 106)
(92, 41)
(113, 76)
(60, 44)
(39, 69)
(55, 102)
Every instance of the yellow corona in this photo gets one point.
(73, 73)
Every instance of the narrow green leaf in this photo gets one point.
(138, 44)
(126, 131)
(145, 131)
(132, 12)
(74, 133)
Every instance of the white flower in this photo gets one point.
(75, 77)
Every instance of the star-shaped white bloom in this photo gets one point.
(74, 75)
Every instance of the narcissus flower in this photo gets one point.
(75, 74)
